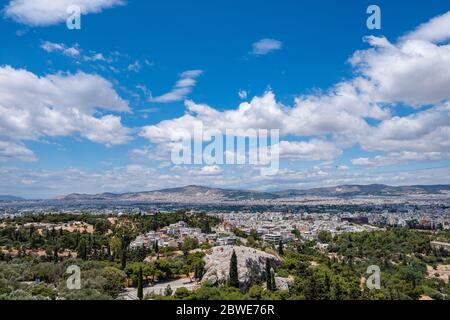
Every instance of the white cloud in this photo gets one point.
(130, 178)
(394, 158)
(435, 30)
(134, 67)
(243, 94)
(423, 132)
(34, 107)
(182, 88)
(412, 72)
(96, 57)
(50, 12)
(338, 112)
(75, 52)
(15, 150)
(265, 46)
(314, 150)
(208, 171)
(62, 48)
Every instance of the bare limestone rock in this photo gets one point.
(283, 284)
(251, 265)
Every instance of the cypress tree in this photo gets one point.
(327, 282)
(234, 276)
(55, 254)
(268, 275)
(140, 291)
(337, 290)
(123, 259)
(168, 292)
(82, 250)
(280, 248)
(274, 284)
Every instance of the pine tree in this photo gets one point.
(234, 276)
(140, 291)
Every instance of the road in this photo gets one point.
(158, 288)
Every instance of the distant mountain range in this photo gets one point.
(184, 193)
(366, 190)
(10, 198)
(205, 194)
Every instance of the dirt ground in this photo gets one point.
(443, 272)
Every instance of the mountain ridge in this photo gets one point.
(5, 197)
(208, 193)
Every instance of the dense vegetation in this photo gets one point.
(33, 262)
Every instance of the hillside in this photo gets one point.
(205, 194)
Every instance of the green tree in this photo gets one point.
(168, 292)
(325, 236)
(55, 254)
(140, 290)
(280, 248)
(123, 259)
(205, 226)
(115, 245)
(233, 280)
(182, 294)
(269, 282)
(188, 245)
(115, 281)
(82, 249)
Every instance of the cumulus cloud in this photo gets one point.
(314, 150)
(15, 150)
(338, 111)
(182, 88)
(435, 30)
(423, 132)
(414, 71)
(394, 158)
(59, 104)
(265, 46)
(62, 48)
(49, 12)
(208, 171)
(332, 113)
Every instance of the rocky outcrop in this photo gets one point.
(283, 284)
(251, 265)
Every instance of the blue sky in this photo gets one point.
(101, 103)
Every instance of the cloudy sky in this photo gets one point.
(99, 109)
